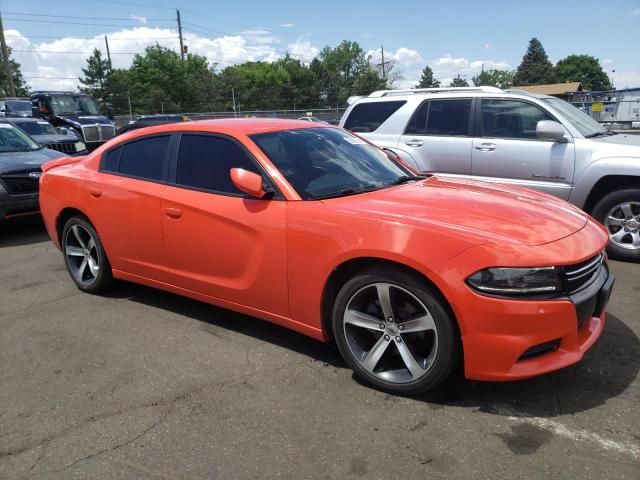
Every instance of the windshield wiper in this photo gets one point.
(599, 134)
(347, 191)
(405, 179)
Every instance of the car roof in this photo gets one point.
(246, 126)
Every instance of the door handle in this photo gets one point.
(414, 143)
(173, 213)
(95, 193)
(486, 147)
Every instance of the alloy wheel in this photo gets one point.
(82, 255)
(623, 224)
(390, 333)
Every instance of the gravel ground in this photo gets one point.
(145, 384)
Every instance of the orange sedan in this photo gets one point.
(310, 227)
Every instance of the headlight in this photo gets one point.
(517, 282)
(80, 146)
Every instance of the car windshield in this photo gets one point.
(329, 162)
(586, 125)
(19, 106)
(37, 128)
(73, 104)
(13, 139)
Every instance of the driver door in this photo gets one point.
(221, 242)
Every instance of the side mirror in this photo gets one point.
(110, 113)
(550, 130)
(248, 182)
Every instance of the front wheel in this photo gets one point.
(619, 212)
(394, 331)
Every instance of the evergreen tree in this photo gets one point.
(95, 75)
(585, 69)
(459, 82)
(535, 68)
(427, 80)
(494, 78)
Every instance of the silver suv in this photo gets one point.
(512, 137)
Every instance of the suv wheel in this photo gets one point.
(394, 332)
(619, 212)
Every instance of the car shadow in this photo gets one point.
(606, 371)
(22, 231)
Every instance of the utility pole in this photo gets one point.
(180, 34)
(233, 99)
(106, 42)
(7, 65)
(383, 64)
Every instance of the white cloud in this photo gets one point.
(635, 13)
(303, 50)
(447, 67)
(487, 46)
(625, 79)
(287, 25)
(139, 18)
(607, 61)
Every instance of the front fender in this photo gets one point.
(613, 166)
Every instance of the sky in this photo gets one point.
(452, 38)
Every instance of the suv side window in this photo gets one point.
(142, 158)
(511, 119)
(441, 117)
(367, 117)
(204, 162)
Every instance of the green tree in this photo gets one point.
(427, 80)
(585, 69)
(459, 82)
(21, 87)
(95, 75)
(535, 68)
(494, 78)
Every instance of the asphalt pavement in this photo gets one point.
(142, 384)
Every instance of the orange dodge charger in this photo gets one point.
(310, 227)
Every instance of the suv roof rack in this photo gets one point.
(388, 93)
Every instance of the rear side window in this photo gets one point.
(511, 119)
(144, 158)
(441, 117)
(204, 162)
(111, 159)
(367, 117)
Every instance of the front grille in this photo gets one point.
(91, 133)
(581, 275)
(108, 132)
(62, 147)
(20, 183)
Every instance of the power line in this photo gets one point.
(86, 38)
(86, 18)
(75, 23)
(73, 53)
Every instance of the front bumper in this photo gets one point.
(17, 205)
(516, 339)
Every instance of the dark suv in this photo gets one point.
(76, 111)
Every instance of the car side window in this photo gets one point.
(144, 158)
(205, 161)
(110, 160)
(367, 117)
(511, 119)
(441, 117)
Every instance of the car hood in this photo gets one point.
(620, 145)
(12, 161)
(491, 213)
(55, 139)
(84, 119)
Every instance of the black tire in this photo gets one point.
(447, 347)
(104, 277)
(602, 209)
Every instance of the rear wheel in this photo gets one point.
(619, 212)
(84, 256)
(394, 331)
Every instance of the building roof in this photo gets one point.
(553, 88)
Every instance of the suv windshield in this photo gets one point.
(36, 128)
(18, 106)
(73, 104)
(329, 162)
(13, 139)
(586, 125)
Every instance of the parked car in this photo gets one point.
(312, 228)
(48, 136)
(20, 168)
(150, 121)
(15, 107)
(514, 138)
(76, 111)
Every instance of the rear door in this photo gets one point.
(438, 136)
(507, 150)
(221, 242)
